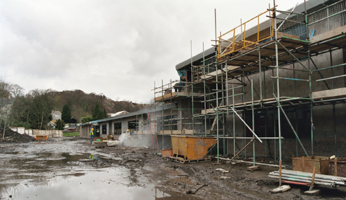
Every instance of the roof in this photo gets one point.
(211, 51)
(208, 52)
(139, 112)
(56, 112)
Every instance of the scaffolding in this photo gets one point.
(281, 48)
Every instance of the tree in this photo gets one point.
(33, 109)
(86, 119)
(16, 91)
(66, 114)
(60, 124)
(4, 89)
(97, 113)
(104, 113)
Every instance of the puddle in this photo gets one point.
(70, 170)
(92, 185)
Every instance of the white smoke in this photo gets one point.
(128, 140)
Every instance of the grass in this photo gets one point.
(71, 134)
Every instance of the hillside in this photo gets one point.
(81, 104)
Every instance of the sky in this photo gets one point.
(118, 48)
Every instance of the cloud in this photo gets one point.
(115, 47)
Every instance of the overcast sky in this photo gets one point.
(114, 47)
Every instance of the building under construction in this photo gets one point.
(272, 87)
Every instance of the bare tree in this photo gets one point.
(16, 91)
(4, 89)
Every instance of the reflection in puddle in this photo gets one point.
(93, 185)
(69, 170)
(54, 175)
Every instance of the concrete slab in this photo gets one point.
(325, 94)
(328, 34)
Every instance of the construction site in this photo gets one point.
(270, 92)
(258, 115)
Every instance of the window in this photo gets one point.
(104, 129)
(117, 128)
(133, 125)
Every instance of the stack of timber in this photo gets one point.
(290, 176)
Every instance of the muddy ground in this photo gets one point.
(73, 169)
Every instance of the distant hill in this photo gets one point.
(82, 104)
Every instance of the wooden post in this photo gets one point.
(313, 178)
(280, 168)
(303, 164)
(335, 166)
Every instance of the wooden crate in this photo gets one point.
(307, 164)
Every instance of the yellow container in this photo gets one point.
(191, 147)
(41, 137)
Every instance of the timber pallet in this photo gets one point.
(182, 160)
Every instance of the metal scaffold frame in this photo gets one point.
(233, 69)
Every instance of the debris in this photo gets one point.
(222, 170)
(282, 188)
(311, 192)
(114, 143)
(194, 190)
(225, 177)
(253, 168)
(14, 137)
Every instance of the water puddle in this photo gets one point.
(112, 183)
(61, 170)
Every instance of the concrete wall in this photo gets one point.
(34, 132)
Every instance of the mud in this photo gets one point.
(14, 137)
(73, 169)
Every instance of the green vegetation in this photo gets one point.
(66, 114)
(60, 124)
(33, 110)
(71, 134)
(86, 119)
(98, 113)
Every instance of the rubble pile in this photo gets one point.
(14, 137)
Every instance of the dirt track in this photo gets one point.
(239, 184)
(71, 166)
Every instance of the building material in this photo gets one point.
(337, 167)
(305, 177)
(307, 164)
(311, 191)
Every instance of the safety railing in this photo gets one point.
(245, 35)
